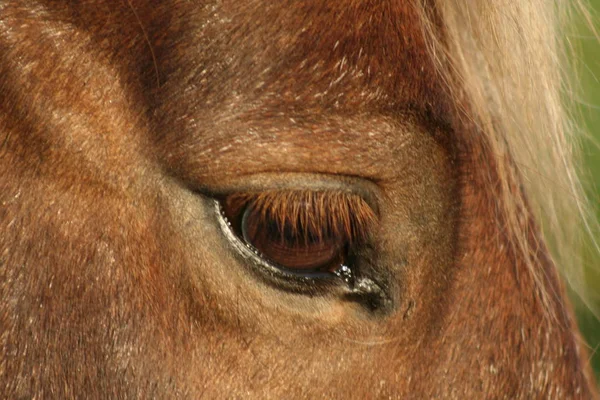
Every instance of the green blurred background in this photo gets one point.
(587, 47)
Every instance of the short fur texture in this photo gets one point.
(120, 121)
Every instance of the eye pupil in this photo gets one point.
(297, 246)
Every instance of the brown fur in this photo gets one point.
(119, 122)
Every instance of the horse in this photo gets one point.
(283, 199)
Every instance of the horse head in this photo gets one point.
(277, 199)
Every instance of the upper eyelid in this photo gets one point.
(367, 190)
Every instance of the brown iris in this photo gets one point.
(304, 231)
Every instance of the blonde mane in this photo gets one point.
(509, 64)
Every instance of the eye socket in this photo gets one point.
(300, 231)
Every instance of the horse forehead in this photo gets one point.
(242, 73)
(313, 53)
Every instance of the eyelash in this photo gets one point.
(289, 230)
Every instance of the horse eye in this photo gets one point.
(299, 246)
(300, 232)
